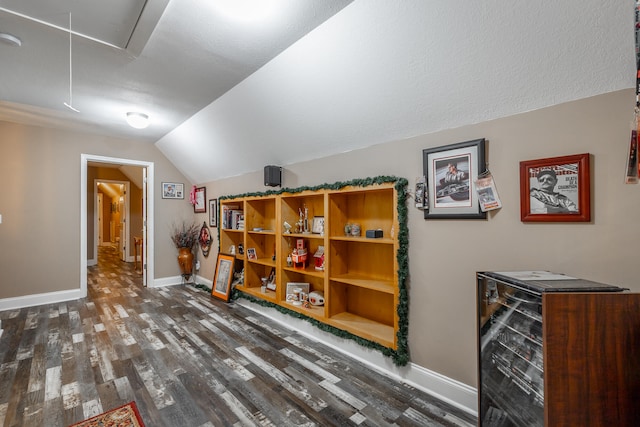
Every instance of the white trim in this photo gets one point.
(39, 299)
(460, 395)
(177, 280)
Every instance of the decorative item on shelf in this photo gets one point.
(299, 255)
(238, 278)
(300, 224)
(318, 225)
(240, 248)
(316, 298)
(232, 249)
(294, 290)
(296, 296)
(251, 254)
(347, 229)
(305, 300)
(287, 228)
(289, 260)
(184, 236)
(374, 234)
(319, 258)
(306, 220)
(355, 230)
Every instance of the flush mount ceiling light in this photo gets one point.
(10, 39)
(137, 120)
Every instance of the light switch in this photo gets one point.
(0, 218)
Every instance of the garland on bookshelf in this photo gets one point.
(400, 356)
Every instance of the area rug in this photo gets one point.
(124, 416)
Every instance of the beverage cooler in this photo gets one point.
(550, 351)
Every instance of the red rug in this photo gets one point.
(124, 416)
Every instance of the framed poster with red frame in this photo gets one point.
(556, 189)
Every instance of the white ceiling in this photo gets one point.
(336, 76)
(123, 61)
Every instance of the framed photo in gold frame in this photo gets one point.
(223, 277)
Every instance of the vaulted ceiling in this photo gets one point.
(228, 97)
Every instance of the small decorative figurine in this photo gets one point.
(287, 228)
(306, 220)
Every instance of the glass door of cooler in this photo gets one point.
(511, 389)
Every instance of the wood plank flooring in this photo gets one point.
(187, 360)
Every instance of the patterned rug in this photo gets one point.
(124, 416)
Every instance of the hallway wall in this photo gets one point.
(40, 206)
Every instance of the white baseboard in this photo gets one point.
(177, 280)
(40, 299)
(454, 392)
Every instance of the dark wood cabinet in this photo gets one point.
(556, 351)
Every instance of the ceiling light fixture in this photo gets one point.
(137, 120)
(10, 39)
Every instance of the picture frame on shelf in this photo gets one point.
(213, 212)
(556, 189)
(172, 190)
(223, 276)
(317, 226)
(450, 173)
(200, 205)
(251, 254)
(293, 297)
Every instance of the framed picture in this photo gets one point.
(213, 212)
(201, 195)
(251, 253)
(450, 172)
(318, 225)
(223, 276)
(172, 190)
(556, 189)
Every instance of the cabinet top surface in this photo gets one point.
(544, 281)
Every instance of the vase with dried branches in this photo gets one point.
(184, 235)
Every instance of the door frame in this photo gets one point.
(148, 223)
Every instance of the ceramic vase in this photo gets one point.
(185, 260)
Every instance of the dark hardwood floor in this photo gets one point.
(187, 360)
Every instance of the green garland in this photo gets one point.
(401, 355)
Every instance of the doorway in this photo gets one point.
(118, 217)
(88, 216)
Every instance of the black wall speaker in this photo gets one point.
(273, 176)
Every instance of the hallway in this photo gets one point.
(187, 360)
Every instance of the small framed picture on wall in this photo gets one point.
(172, 190)
(200, 205)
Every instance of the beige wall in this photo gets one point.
(40, 171)
(445, 254)
(40, 206)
